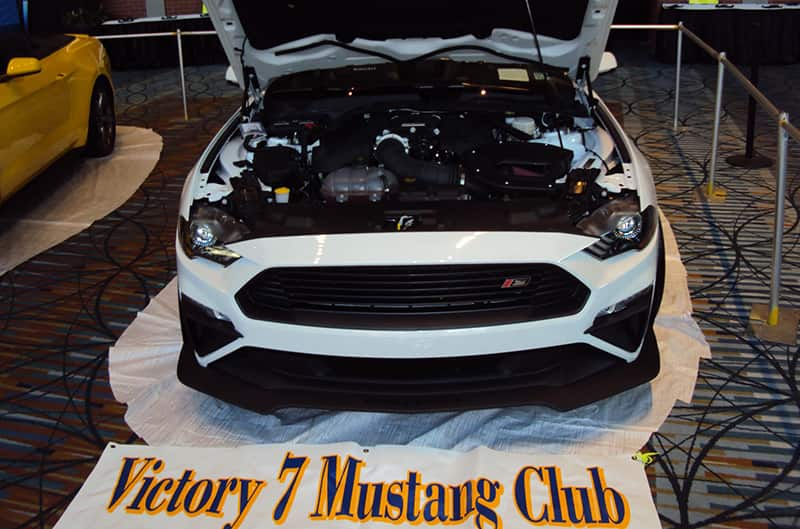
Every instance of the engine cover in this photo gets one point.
(517, 166)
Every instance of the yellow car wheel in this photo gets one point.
(102, 121)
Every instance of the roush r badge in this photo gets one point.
(516, 282)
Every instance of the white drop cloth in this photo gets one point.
(52, 210)
(162, 411)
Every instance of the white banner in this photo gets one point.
(344, 486)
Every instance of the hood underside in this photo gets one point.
(259, 33)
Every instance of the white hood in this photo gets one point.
(406, 30)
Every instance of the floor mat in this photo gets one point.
(67, 198)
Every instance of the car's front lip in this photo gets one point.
(611, 280)
(571, 376)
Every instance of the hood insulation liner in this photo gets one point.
(268, 24)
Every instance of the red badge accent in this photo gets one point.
(516, 282)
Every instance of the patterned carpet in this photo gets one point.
(730, 458)
(727, 460)
(60, 311)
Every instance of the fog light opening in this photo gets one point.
(625, 322)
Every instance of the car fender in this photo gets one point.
(91, 63)
(637, 163)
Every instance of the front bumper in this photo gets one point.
(563, 378)
(609, 281)
(562, 362)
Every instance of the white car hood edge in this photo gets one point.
(590, 42)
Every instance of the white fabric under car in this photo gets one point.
(162, 411)
(37, 218)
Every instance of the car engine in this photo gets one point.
(410, 155)
(309, 156)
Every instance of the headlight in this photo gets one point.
(627, 227)
(620, 226)
(203, 234)
(206, 234)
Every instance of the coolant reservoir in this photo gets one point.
(524, 124)
(282, 195)
(358, 182)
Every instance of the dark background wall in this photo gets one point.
(136, 8)
(64, 15)
(51, 13)
(634, 12)
(629, 11)
(124, 8)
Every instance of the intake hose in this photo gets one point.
(392, 154)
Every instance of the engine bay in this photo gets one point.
(330, 156)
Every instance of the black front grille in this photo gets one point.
(412, 297)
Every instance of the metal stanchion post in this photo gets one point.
(772, 322)
(777, 250)
(717, 116)
(678, 61)
(183, 78)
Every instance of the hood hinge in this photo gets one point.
(252, 88)
(584, 81)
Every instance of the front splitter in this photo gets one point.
(278, 390)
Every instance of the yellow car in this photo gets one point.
(55, 96)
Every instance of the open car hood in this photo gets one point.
(567, 30)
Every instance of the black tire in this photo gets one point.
(102, 121)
